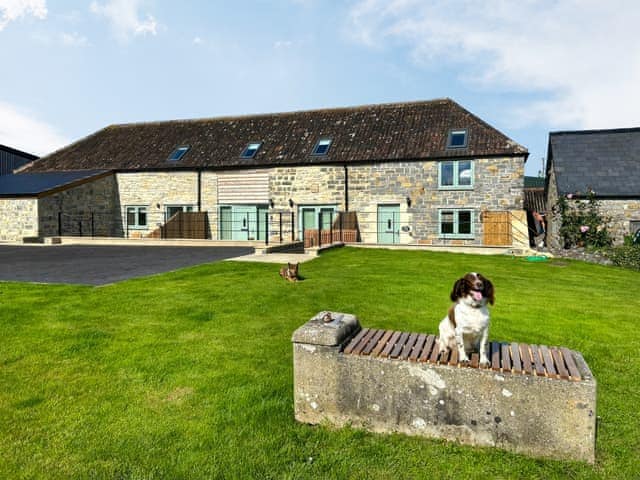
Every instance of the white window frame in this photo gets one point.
(456, 175)
(137, 209)
(456, 223)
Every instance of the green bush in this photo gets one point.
(582, 223)
(626, 256)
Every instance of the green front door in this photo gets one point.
(244, 222)
(388, 224)
(226, 223)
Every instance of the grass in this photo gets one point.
(189, 374)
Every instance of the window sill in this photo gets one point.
(455, 187)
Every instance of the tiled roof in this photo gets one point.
(606, 161)
(401, 131)
(33, 184)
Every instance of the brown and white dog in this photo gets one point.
(466, 326)
(290, 272)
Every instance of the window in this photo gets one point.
(171, 210)
(178, 153)
(457, 139)
(251, 150)
(136, 217)
(456, 174)
(456, 223)
(322, 147)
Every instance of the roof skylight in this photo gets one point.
(251, 150)
(457, 138)
(322, 147)
(178, 153)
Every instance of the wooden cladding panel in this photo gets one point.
(248, 186)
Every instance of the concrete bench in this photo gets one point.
(535, 400)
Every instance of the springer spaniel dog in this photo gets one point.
(466, 326)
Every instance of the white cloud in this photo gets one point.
(21, 130)
(282, 44)
(125, 18)
(580, 56)
(197, 41)
(11, 10)
(74, 40)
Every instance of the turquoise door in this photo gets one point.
(388, 224)
(261, 222)
(244, 222)
(226, 223)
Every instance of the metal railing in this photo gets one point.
(268, 226)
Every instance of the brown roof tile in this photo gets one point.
(400, 131)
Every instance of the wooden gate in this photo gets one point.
(497, 228)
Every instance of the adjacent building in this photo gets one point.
(606, 162)
(12, 159)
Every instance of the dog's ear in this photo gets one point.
(488, 291)
(459, 289)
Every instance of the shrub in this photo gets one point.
(582, 223)
(625, 256)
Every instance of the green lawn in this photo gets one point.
(189, 374)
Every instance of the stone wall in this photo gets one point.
(619, 214)
(18, 218)
(90, 208)
(498, 185)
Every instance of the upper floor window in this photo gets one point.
(322, 147)
(455, 174)
(178, 153)
(457, 139)
(251, 150)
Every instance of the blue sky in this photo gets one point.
(70, 68)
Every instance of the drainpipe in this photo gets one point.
(199, 190)
(346, 188)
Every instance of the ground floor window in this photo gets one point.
(171, 210)
(310, 217)
(456, 223)
(242, 222)
(136, 217)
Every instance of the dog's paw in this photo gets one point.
(484, 362)
(464, 360)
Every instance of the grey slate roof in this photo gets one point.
(11, 159)
(34, 184)
(387, 132)
(606, 161)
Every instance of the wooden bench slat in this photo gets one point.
(537, 360)
(373, 342)
(435, 352)
(495, 356)
(506, 357)
(453, 358)
(363, 343)
(355, 340)
(525, 355)
(475, 360)
(548, 361)
(408, 347)
(428, 346)
(417, 348)
(443, 358)
(392, 342)
(560, 368)
(515, 355)
(571, 364)
(554, 362)
(400, 345)
(382, 343)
